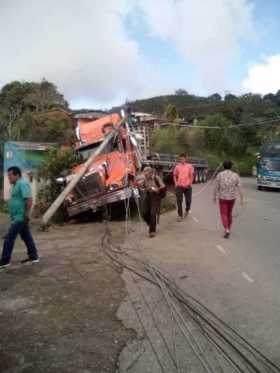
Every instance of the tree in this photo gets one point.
(51, 126)
(58, 161)
(20, 98)
(232, 110)
(229, 97)
(171, 112)
(45, 96)
(12, 107)
(269, 96)
(181, 92)
(215, 97)
(214, 138)
(166, 140)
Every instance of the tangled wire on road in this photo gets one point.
(198, 325)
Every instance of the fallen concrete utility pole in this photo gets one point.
(59, 200)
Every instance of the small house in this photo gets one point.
(28, 156)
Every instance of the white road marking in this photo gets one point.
(195, 219)
(221, 249)
(247, 277)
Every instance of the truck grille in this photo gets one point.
(89, 185)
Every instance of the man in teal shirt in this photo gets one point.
(19, 207)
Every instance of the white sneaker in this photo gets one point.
(28, 260)
(4, 265)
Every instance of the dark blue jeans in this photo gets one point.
(22, 229)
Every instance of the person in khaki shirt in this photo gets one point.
(153, 187)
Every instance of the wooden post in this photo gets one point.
(59, 200)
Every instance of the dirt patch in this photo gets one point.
(60, 315)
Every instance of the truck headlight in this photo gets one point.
(60, 180)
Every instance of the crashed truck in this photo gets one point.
(110, 177)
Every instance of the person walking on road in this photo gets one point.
(153, 187)
(183, 178)
(19, 207)
(227, 186)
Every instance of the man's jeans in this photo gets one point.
(180, 192)
(22, 229)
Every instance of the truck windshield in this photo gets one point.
(86, 151)
(271, 165)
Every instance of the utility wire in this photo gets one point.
(208, 325)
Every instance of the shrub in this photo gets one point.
(245, 165)
(57, 161)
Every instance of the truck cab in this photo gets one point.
(268, 166)
(110, 175)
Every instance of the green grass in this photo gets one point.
(168, 203)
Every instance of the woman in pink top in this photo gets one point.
(183, 179)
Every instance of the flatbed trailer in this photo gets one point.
(165, 164)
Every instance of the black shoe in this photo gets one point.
(3, 264)
(29, 260)
(226, 235)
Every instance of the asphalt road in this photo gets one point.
(237, 278)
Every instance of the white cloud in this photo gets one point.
(83, 46)
(206, 33)
(264, 77)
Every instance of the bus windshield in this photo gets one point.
(271, 150)
(271, 165)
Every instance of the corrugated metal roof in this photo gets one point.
(90, 115)
(32, 145)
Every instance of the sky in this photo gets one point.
(101, 53)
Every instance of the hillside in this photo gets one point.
(187, 105)
(236, 109)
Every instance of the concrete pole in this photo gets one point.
(59, 200)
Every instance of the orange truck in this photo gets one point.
(110, 176)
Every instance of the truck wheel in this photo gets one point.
(260, 187)
(194, 176)
(204, 176)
